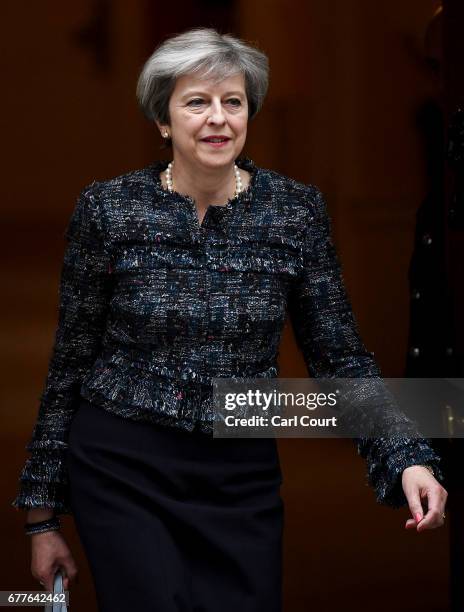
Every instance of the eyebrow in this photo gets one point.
(202, 93)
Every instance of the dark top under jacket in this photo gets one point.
(153, 305)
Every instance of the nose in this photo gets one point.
(216, 115)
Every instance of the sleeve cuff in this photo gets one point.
(385, 475)
(44, 483)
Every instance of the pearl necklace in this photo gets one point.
(238, 178)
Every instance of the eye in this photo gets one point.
(234, 101)
(195, 102)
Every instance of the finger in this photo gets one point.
(434, 516)
(45, 580)
(415, 506)
(410, 524)
(431, 520)
(70, 574)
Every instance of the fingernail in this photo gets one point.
(418, 517)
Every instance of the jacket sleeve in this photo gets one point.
(327, 334)
(83, 302)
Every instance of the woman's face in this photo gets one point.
(200, 108)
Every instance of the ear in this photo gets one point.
(162, 128)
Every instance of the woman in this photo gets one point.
(174, 274)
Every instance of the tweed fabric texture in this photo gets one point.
(153, 305)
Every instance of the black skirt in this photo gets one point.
(172, 521)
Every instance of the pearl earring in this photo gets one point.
(165, 135)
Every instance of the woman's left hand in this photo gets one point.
(418, 483)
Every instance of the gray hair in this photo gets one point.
(204, 50)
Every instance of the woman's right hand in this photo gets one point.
(50, 553)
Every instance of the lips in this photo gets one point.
(216, 139)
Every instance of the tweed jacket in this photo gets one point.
(154, 304)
